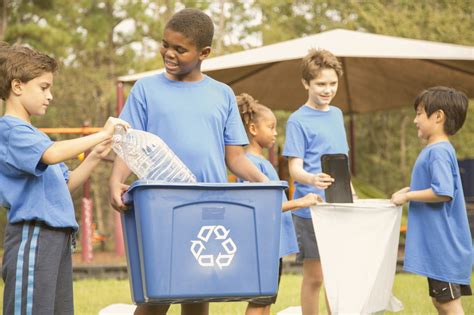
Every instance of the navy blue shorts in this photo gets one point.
(306, 239)
(37, 269)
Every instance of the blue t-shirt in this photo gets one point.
(288, 241)
(438, 242)
(195, 119)
(310, 133)
(30, 189)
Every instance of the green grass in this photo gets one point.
(92, 295)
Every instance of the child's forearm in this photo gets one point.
(120, 171)
(240, 165)
(426, 195)
(78, 176)
(291, 205)
(245, 169)
(298, 173)
(65, 150)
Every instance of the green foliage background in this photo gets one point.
(89, 39)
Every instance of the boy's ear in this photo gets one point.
(16, 87)
(205, 52)
(305, 84)
(440, 116)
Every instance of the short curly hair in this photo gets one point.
(452, 102)
(21, 63)
(194, 25)
(316, 60)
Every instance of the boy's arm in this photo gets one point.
(297, 172)
(120, 172)
(303, 202)
(426, 195)
(240, 165)
(61, 151)
(79, 175)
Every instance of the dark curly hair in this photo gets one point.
(250, 109)
(194, 25)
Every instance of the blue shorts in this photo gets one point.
(306, 239)
(37, 269)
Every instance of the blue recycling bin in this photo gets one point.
(202, 242)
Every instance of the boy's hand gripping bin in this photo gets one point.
(202, 242)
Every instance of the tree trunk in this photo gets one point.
(3, 19)
(221, 28)
(169, 10)
(403, 145)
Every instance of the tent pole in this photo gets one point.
(352, 143)
(118, 236)
(351, 118)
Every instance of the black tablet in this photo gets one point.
(337, 166)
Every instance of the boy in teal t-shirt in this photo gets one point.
(438, 243)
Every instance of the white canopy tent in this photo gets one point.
(380, 72)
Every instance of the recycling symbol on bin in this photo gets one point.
(220, 233)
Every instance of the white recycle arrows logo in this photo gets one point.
(220, 233)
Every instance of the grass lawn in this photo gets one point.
(92, 295)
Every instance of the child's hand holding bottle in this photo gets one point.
(110, 125)
(102, 149)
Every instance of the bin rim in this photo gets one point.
(128, 195)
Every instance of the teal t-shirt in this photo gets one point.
(288, 241)
(30, 189)
(438, 242)
(310, 133)
(195, 119)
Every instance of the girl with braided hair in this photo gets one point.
(260, 125)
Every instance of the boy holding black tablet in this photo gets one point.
(315, 129)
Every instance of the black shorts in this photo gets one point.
(268, 300)
(444, 292)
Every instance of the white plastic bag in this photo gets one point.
(358, 244)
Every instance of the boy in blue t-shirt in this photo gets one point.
(35, 187)
(195, 115)
(438, 242)
(316, 128)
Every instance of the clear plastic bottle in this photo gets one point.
(149, 157)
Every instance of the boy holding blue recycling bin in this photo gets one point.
(195, 115)
(438, 243)
(316, 128)
(35, 187)
(260, 124)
